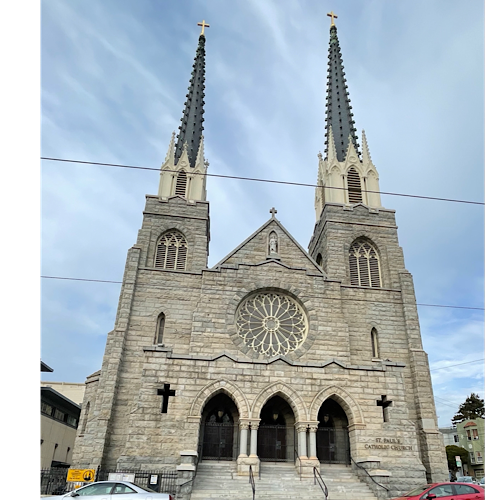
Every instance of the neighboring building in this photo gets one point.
(45, 368)
(73, 391)
(450, 436)
(471, 436)
(275, 350)
(59, 422)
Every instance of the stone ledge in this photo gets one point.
(186, 467)
(236, 359)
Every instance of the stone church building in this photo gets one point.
(276, 353)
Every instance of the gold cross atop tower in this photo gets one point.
(333, 16)
(203, 25)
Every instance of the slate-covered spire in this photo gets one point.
(191, 127)
(338, 109)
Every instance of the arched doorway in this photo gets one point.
(332, 438)
(219, 429)
(276, 434)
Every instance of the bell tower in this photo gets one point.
(344, 176)
(355, 241)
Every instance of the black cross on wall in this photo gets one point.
(166, 393)
(384, 403)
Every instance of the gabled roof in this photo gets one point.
(301, 253)
(470, 424)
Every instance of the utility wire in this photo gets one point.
(458, 364)
(344, 299)
(254, 179)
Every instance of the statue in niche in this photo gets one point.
(273, 243)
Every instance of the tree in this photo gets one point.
(453, 451)
(472, 408)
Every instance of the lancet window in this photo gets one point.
(374, 337)
(181, 184)
(160, 327)
(171, 251)
(364, 264)
(354, 186)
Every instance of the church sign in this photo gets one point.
(394, 444)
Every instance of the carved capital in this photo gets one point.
(254, 424)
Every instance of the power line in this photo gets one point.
(254, 179)
(458, 364)
(344, 299)
(448, 401)
(440, 401)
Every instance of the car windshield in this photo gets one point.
(464, 479)
(416, 491)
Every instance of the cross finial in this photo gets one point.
(333, 16)
(273, 212)
(203, 25)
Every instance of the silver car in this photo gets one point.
(106, 490)
(466, 479)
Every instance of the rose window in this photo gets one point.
(271, 323)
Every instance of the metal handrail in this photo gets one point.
(300, 463)
(251, 480)
(368, 474)
(196, 462)
(321, 483)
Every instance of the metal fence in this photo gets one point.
(53, 481)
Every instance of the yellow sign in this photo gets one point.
(81, 475)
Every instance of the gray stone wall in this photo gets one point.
(203, 354)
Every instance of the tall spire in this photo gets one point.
(183, 172)
(191, 127)
(338, 109)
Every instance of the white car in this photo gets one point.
(106, 490)
(466, 479)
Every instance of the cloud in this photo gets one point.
(114, 77)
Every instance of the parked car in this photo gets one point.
(105, 490)
(481, 483)
(444, 491)
(466, 479)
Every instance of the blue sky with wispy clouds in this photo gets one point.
(114, 76)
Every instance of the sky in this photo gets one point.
(114, 75)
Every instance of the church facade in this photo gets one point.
(275, 353)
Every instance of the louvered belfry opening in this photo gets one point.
(364, 265)
(181, 184)
(171, 251)
(354, 186)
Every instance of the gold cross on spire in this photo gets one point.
(203, 25)
(333, 16)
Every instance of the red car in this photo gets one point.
(445, 491)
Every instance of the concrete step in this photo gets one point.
(278, 481)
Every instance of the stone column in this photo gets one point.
(253, 439)
(301, 430)
(244, 461)
(243, 439)
(312, 442)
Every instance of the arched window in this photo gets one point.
(354, 186)
(319, 259)
(374, 336)
(85, 417)
(160, 327)
(171, 251)
(180, 186)
(364, 265)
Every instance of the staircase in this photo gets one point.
(279, 481)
